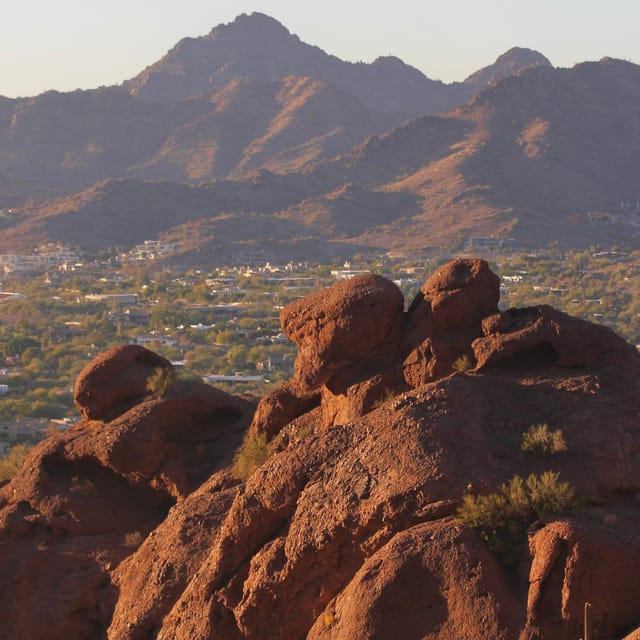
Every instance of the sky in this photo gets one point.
(83, 44)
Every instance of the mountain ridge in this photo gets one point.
(547, 155)
(541, 155)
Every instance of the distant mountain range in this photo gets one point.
(249, 135)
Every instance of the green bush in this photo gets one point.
(547, 495)
(539, 440)
(160, 381)
(12, 462)
(502, 518)
(253, 453)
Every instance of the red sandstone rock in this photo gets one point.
(358, 319)
(446, 317)
(316, 516)
(280, 407)
(578, 561)
(116, 380)
(86, 499)
(152, 579)
(172, 443)
(347, 532)
(433, 580)
(548, 336)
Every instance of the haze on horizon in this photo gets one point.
(73, 44)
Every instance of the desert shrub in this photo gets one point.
(539, 440)
(463, 363)
(12, 462)
(547, 495)
(253, 453)
(502, 518)
(160, 381)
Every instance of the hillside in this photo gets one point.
(347, 524)
(250, 95)
(545, 156)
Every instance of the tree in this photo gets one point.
(12, 462)
(237, 356)
(16, 345)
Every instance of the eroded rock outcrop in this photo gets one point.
(446, 316)
(116, 380)
(358, 321)
(86, 499)
(584, 560)
(349, 531)
(548, 336)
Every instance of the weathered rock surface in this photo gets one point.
(86, 499)
(398, 591)
(584, 560)
(446, 316)
(349, 531)
(356, 321)
(548, 335)
(116, 380)
(280, 407)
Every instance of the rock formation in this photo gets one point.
(350, 530)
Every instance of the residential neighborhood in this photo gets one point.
(221, 325)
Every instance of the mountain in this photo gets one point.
(260, 48)
(340, 516)
(283, 125)
(65, 142)
(510, 63)
(249, 95)
(248, 122)
(544, 156)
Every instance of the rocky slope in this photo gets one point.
(349, 530)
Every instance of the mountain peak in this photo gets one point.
(253, 24)
(510, 63)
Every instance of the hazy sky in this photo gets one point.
(70, 44)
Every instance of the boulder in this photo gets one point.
(171, 443)
(358, 320)
(445, 317)
(349, 529)
(584, 560)
(116, 380)
(546, 336)
(278, 408)
(88, 498)
(435, 579)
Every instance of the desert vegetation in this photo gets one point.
(160, 381)
(13, 460)
(502, 517)
(253, 453)
(539, 440)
